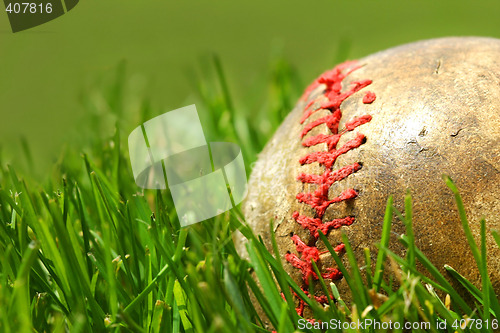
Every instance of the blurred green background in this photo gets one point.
(46, 73)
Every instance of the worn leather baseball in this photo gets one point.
(394, 121)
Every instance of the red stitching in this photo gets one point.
(300, 308)
(315, 224)
(308, 252)
(331, 100)
(328, 158)
(327, 77)
(369, 97)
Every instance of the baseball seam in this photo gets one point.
(318, 200)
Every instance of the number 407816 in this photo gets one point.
(475, 324)
(29, 7)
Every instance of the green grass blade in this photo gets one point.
(181, 300)
(268, 285)
(409, 230)
(442, 283)
(20, 299)
(360, 290)
(384, 243)
(489, 296)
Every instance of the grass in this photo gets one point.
(86, 250)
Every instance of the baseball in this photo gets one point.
(394, 121)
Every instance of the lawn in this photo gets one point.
(84, 249)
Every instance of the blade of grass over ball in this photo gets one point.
(261, 299)
(441, 283)
(345, 312)
(322, 283)
(473, 290)
(283, 319)
(496, 236)
(248, 233)
(484, 273)
(280, 272)
(390, 302)
(463, 218)
(410, 255)
(234, 294)
(360, 290)
(336, 258)
(479, 255)
(266, 281)
(384, 243)
(368, 266)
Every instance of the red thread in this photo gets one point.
(340, 248)
(351, 125)
(326, 77)
(335, 98)
(328, 158)
(331, 100)
(304, 266)
(329, 177)
(309, 254)
(315, 224)
(369, 97)
(319, 199)
(322, 299)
